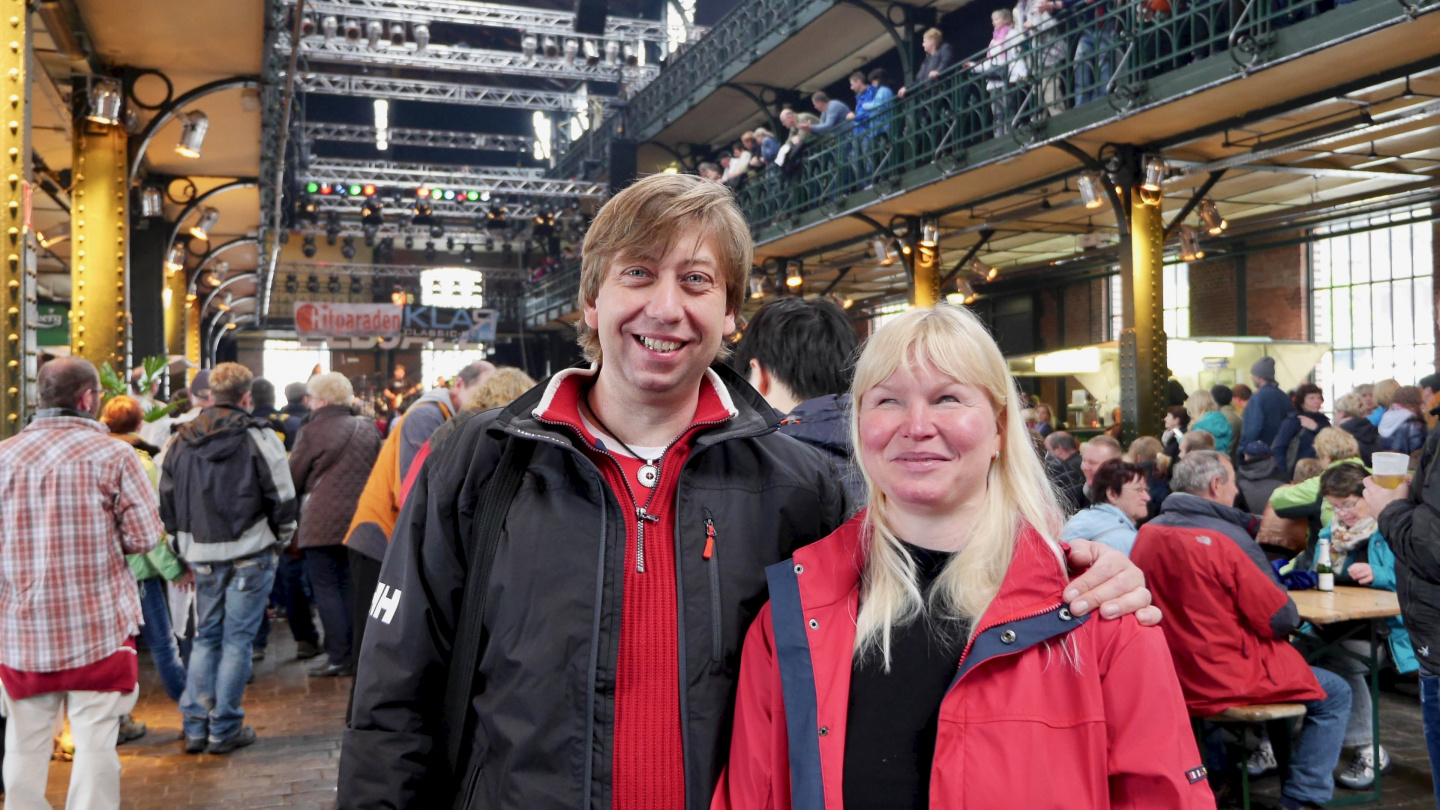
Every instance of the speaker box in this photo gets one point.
(590, 16)
(624, 164)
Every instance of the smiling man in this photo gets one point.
(631, 560)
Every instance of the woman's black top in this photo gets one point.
(893, 716)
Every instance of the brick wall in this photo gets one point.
(1277, 296)
(1213, 309)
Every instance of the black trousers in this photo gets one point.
(364, 577)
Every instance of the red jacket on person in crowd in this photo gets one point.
(1226, 620)
(1046, 711)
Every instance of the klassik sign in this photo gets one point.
(324, 319)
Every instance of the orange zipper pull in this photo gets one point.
(709, 538)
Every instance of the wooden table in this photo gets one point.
(1345, 604)
(1362, 608)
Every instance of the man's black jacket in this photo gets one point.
(1412, 528)
(544, 735)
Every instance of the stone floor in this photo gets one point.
(294, 763)
(299, 721)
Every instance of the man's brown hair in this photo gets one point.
(64, 380)
(230, 382)
(643, 222)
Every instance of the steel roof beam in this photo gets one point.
(495, 15)
(466, 60)
(470, 95)
(433, 138)
(497, 180)
(368, 269)
(348, 207)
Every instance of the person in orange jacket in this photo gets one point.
(924, 655)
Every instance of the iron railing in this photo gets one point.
(1104, 52)
(747, 33)
(553, 295)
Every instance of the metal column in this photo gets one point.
(176, 307)
(17, 271)
(924, 266)
(192, 333)
(1143, 363)
(99, 320)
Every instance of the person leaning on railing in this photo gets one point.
(938, 58)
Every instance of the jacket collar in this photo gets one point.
(751, 415)
(61, 418)
(833, 565)
(563, 394)
(1113, 510)
(1193, 506)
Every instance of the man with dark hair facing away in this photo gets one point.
(73, 503)
(800, 355)
(227, 497)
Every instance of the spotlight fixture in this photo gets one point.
(436, 230)
(312, 284)
(1210, 215)
(347, 247)
(592, 52)
(794, 276)
(152, 201)
(984, 271)
(328, 25)
(1090, 192)
(397, 34)
(612, 53)
(421, 33)
(1190, 244)
(489, 243)
(334, 284)
(507, 252)
(352, 30)
(175, 259)
(882, 252)
(370, 232)
(291, 285)
(964, 292)
(757, 286)
(631, 59)
(192, 133)
(409, 241)
(357, 285)
(398, 296)
(467, 254)
(1154, 174)
(422, 213)
(572, 47)
(430, 252)
(374, 32)
(372, 212)
(449, 244)
(224, 303)
(54, 236)
(332, 228)
(201, 229)
(219, 271)
(528, 44)
(929, 231)
(551, 49)
(903, 245)
(105, 102)
(307, 26)
(308, 247)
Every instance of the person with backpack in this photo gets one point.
(1296, 437)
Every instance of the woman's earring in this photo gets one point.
(997, 455)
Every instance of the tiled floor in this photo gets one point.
(300, 719)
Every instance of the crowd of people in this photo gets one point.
(796, 570)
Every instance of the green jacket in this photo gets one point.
(159, 561)
(1303, 499)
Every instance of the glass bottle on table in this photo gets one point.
(1324, 569)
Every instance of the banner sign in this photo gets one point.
(52, 325)
(322, 319)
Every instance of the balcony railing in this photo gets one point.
(1103, 53)
(553, 295)
(748, 32)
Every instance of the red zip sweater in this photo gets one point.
(649, 758)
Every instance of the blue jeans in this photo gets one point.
(230, 599)
(1094, 64)
(329, 570)
(159, 638)
(1430, 712)
(1317, 748)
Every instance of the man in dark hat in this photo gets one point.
(1267, 408)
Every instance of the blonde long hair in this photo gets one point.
(956, 344)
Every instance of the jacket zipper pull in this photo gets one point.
(640, 517)
(709, 538)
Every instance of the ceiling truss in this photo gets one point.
(494, 15)
(433, 138)
(471, 95)
(495, 179)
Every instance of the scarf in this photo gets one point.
(1344, 539)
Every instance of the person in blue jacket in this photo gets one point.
(1361, 556)
(1267, 408)
(1122, 492)
(1295, 439)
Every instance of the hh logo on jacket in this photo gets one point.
(384, 602)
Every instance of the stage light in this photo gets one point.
(551, 48)
(312, 284)
(984, 271)
(794, 276)
(1190, 244)
(421, 33)
(929, 231)
(882, 252)
(201, 229)
(1154, 174)
(334, 285)
(528, 44)
(352, 30)
(397, 34)
(308, 247)
(55, 236)
(1210, 215)
(374, 32)
(106, 102)
(291, 285)
(175, 259)
(430, 252)
(1090, 192)
(347, 247)
(192, 133)
(152, 201)
(328, 25)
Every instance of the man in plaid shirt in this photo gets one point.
(73, 503)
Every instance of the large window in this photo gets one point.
(1114, 306)
(1176, 304)
(286, 361)
(1371, 300)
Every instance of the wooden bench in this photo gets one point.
(1276, 716)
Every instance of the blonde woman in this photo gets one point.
(923, 654)
(1205, 415)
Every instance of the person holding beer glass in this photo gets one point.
(1409, 518)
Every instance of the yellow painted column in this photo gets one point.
(17, 270)
(925, 283)
(173, 298)
(192, 334)
(99, 319)
(1147, 255)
